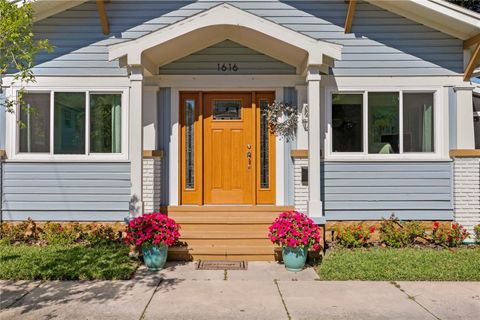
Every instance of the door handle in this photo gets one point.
(249, 157)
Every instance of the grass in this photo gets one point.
(75, 262)
(462, 264)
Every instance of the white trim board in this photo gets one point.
(174, 197)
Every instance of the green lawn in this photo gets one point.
(76, 262)
(461, 264)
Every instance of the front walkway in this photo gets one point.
(264, 291)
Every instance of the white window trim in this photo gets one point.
(440, 132)
(15, 155)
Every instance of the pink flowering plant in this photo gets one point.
(152, 229)
(294, 229)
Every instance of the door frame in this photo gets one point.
(195, 195)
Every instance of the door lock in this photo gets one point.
(249, 157)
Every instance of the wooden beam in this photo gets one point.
(472, 64)
(153, 153)
(472, 41)
(299, 153)
(102, 14)
(350, 13)
(464, 153)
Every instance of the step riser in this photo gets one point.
(225, 233)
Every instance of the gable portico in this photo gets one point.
(146, 55)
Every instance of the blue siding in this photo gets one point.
(382, 43)
(375, 190)
(227, 52)
(66, 191)
(165, 133)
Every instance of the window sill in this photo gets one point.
(68, 158)
(386, 157)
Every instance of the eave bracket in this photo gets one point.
(350, 13)
(102, 14)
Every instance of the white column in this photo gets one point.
(465, 134)
(314, 137)
(302, 134)
(150, 126)
(136, 140)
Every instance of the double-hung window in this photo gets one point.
(70, 123)
(382, 122)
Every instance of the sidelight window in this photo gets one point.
(189, 144)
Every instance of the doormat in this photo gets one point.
(221, 265)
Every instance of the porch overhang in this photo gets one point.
(220, 23)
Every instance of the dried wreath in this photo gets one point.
(282, 118)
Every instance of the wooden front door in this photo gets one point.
(227, 152)
(229, 148)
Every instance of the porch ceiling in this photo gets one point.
(220, 23)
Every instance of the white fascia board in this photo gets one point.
(435, 14)
(225, 15)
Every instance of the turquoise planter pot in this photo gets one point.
(294, 258)
(155, 257)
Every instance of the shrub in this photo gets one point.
(152, 229)
(294, 229)
(450, 236)
(97, 234)
(353, 236)
(55, 233)
(476, 229)
(400, 234)
(26, 231)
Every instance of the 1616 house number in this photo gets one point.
(224, 67)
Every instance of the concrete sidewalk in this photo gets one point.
(264, 291)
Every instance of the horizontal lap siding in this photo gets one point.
(227, 52)
(66, 191)
(381, 43)
(375, 190)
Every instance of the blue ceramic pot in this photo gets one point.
(294, 258)
(155, 256)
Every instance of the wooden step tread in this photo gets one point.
(222, 235)
(225, 242)
(207, 208)
(225, 249)
(182, 256)
(207, 219)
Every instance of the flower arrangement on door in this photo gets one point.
(153, 233)
(296, 234)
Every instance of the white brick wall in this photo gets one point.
(151, 184)
(300, 191)
(466, 192)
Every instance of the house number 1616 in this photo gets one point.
(227, 67)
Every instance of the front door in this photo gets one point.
(227, 152)
(229, 148)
